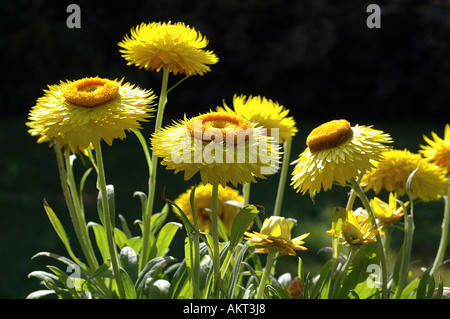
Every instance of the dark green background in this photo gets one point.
(316, 58)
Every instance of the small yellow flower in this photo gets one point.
(387, 213)
(337, 152)
(391, 174)
(174, 47)
(203, 201)
(276, 234)
(79, 113)
(264, 112)
(438, 149)
(357, 229)
(222, 147)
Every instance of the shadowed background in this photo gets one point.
(317, 58)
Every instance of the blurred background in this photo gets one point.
(317, 58)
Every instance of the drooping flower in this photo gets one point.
(391, 174)
(438, 149)
(275, 234)
(357, 229)
(226, 207)
(387, 213)
(337, 152)
(174, 47)
(222, 147)
(265, 112)
(79, 113)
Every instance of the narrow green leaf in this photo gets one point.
(111, 204)
(38, 294)
(135, 243)
(130, 262)
(158, 219)
(323, 276)
(101, 239)
(120, 237)
(130, 291)
(165, 236)
(150, 269)
(159, 289)
(241, 223)
(61, 232)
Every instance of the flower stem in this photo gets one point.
(101, 185)
(152, 172)
(246, 192)
(267, 269)
(284, 168)
(215, 238)
(365, 201)
(80, 229)
(444, 236)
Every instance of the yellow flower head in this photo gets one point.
(357, 229)
(79, 113)
(391, 174)
(226, 210)
(438, 149)
(387, 213)
(336, 152)
(222, 147)
(174, 47)
(275, 234)
(264, 112)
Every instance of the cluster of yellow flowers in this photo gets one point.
(233, 144)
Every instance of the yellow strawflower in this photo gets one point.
(387, 213)
(78, 113)
(174, 47)
(226, 209)
(357, 229)
(392, 172)
(264, 112)
(275, 234)
(222, 147)
(336, 152)
(438, 149)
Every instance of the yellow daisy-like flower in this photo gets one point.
(174, 47)
(438, 149)
(222, 147)
(336, 152)
(264, 112)
(203, 201)
(275, 234)
(357, 229)
(79, 113)
(391, 174)
(387, 213)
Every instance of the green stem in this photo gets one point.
(81, 235)
(215, 238)
(101, 184)
(284, 169)
(444, 236)
(152, 179)
(406, 255)
(366, 204)
(246, 193)
(267, 269)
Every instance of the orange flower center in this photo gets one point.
(226, 127)
(90, 92)
(329, 135)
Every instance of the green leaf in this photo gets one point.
(157, 220)
(241, 223)
(135, 243)
(101, 239)
(38, 294)
(323, 276)
(61, 232)
(143, 198)
(150, 269)
(159, 289)
(130, 291)
(361, 272)
(165, 236)
(120, 238)
(112, 212)
(129, 261)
